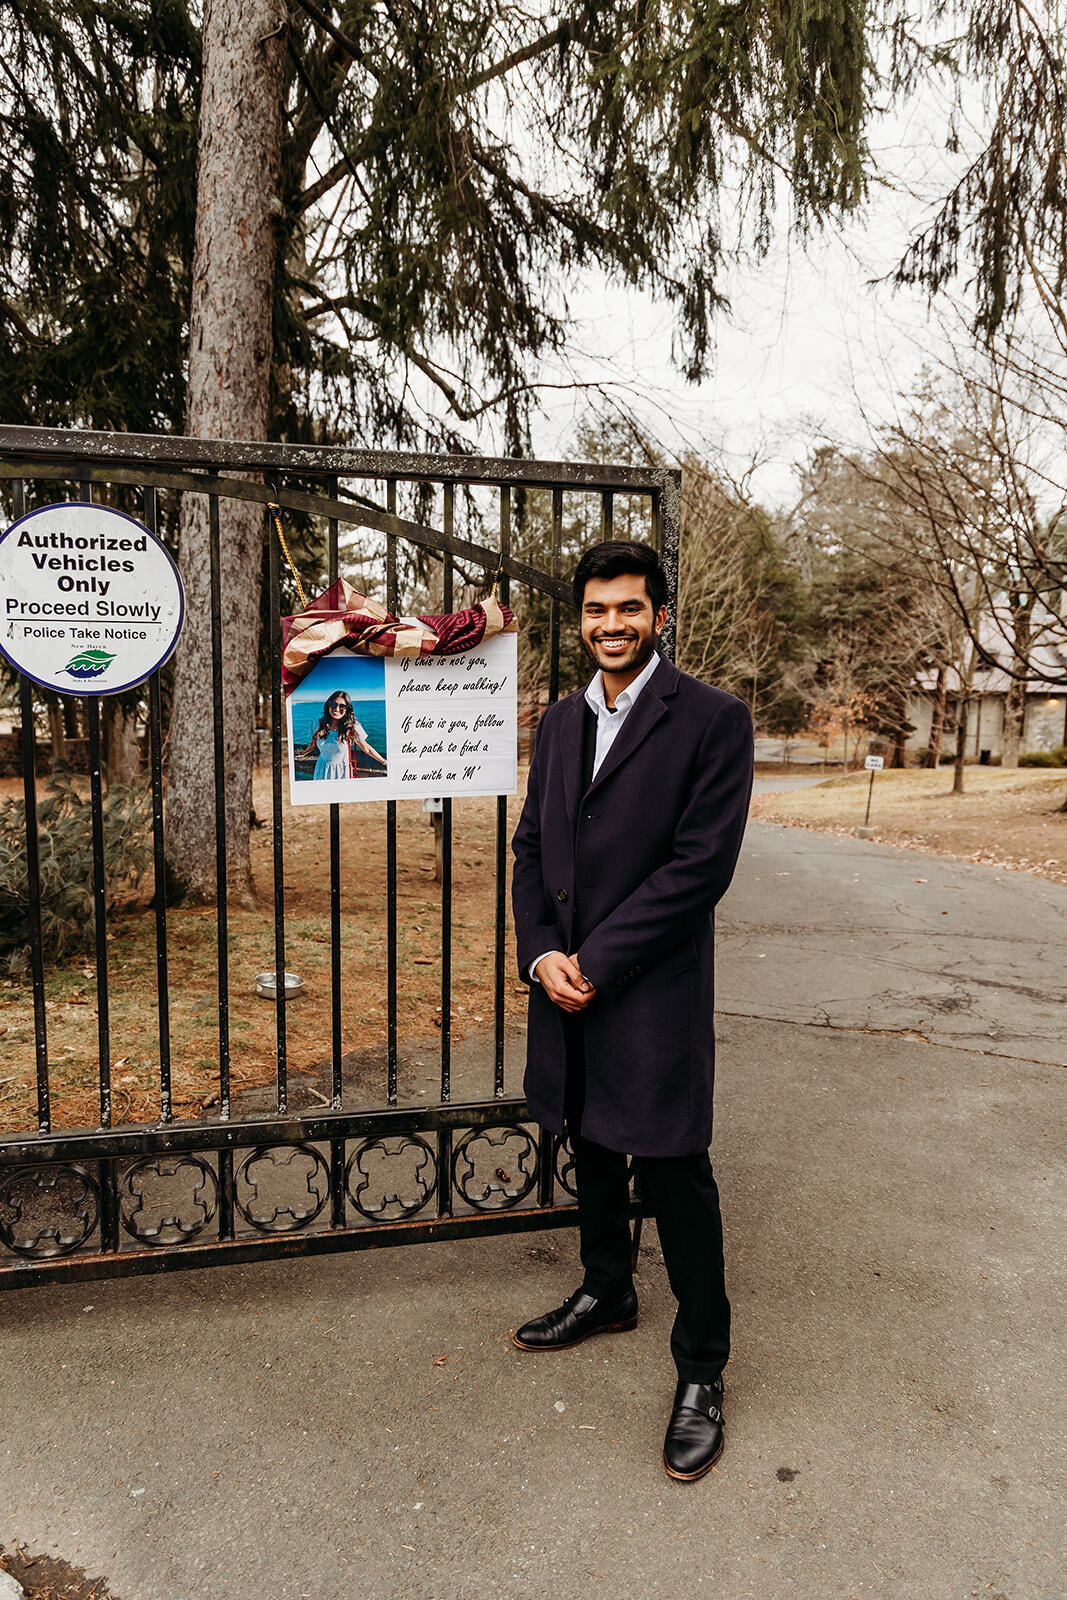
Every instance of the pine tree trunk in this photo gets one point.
(228, 398)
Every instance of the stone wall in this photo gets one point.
(1043, 728)
(77, 757)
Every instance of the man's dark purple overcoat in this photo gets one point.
(628, 877)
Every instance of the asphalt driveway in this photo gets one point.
(889, 1122)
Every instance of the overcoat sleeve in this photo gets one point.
(678, 896)
(535, 922)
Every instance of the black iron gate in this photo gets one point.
(124, 1197)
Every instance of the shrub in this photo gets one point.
(1044, 758)
(64, 826)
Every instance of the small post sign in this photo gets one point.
(872, 764)
(92, 602)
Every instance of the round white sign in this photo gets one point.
(92, 602)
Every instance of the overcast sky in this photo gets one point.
(810, 345)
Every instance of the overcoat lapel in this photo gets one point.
(640, 721)
(570, 747)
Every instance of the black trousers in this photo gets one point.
(681, 1193)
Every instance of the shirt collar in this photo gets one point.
(594, 694)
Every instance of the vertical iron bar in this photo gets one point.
(499, 973)
(444, 1172)
(391, 601)
(335, 875)
(109, 1205)
(159, 864)
(282, 1095)
(103, 1022)
(33, 868)
(33, 884)
(547, 1145)
(337, 1146)
(553, 612)
(666, 517)
(446, 846)
(96, 803)
(449, 564)
(607, 514)
(226, 1208)
(221, 886)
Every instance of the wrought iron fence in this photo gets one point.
(243, 1184)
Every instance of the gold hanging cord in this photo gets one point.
(275, 510)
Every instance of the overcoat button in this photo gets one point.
(562, 895)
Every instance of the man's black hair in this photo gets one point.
(616, 557)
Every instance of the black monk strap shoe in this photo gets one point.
(578, 1318)
(694, 1439)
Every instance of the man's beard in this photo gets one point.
(641, 656)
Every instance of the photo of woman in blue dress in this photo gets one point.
(336, 740)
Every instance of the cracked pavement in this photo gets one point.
(845, 933)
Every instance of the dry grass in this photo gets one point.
(1004, 818)
(193, 973)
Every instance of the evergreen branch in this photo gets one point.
(1053, 65)
(324, 183)
(347, 43)
(581, 226)
(471, 413)
(8, 310)
(559, 36)
(306, 136)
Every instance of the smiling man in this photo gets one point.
(635, 808)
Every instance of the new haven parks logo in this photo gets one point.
(88, 664)
(91, 602)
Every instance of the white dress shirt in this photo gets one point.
(609, 721)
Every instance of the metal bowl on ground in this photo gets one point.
(267, 985)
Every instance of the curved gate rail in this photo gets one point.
(116, 1199)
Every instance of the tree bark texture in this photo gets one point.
(122, 754)
(230, 344)
(937, 725)
(962, 708)
(57, 733)
(1014, 707)
(1022, 609)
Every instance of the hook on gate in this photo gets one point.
(497, 575)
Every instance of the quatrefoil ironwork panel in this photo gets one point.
(167, 1199)
(47, 1211)
(496, 1167)
(388, 1179)
(282, 1187)
(565, 1174)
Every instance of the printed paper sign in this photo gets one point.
(92, 601)
(413, 727)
